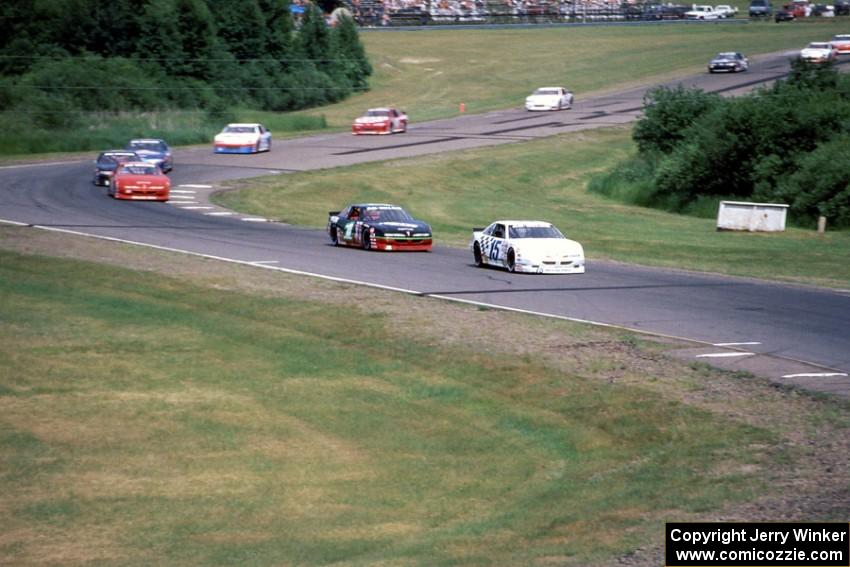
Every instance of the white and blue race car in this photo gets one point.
(243, 139)
(526, 246)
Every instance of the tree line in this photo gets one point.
(88, 55)
(785, 143)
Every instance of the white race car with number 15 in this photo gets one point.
(526, 246)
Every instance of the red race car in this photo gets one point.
(380, 121)
(139, 181)
(841, 43)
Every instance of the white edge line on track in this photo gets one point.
(390, 288)
(725, 354)
(736, 344)
(815, 375)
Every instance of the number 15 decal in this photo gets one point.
(494, 250)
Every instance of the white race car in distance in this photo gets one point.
(549, 98)
(526, 246)
(819, 52)
(243, 139)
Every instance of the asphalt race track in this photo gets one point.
(789, 323)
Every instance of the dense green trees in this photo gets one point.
(82, 55)
(782, 143)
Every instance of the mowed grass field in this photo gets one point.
(228, 418)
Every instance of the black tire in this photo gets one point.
(511, 261)
(476, 255)
(334, 234)
(366, 239)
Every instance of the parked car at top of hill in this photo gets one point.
(841, 43)
(153, 151)
(760, 9)
(663, 11)
(819, 52)
(797, 9)
(376, 226)
(107, 162)
(243, 139)
(380, 121)
(526, 246)
(140, 181)
(726, 11)
(729, 61)
(783, 15)
(549, 98)
(702, 13)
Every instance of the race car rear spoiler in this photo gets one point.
(332, 213)
(478, 229)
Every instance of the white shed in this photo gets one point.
(755, 217)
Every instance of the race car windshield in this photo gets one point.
(116, 158)
(140, 170)
(534, 232)
(818, 45)
(546, 92)
(380, 113)
(151, 146)
(725, 55)
(388, 215)
(239, 130)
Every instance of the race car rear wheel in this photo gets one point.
(511, 261)
(366, 239)
(334, 234)
(476, 254)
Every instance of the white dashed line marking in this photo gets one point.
(190, 186)
(815, 375)
(183, 191)
(195, 208)
(736, 344)
(220, 214)
(254, 219)
(181, 196)
(725, 354)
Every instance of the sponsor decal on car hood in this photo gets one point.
(236, 138)
(371, 119)
(543, 99)
(547, 246)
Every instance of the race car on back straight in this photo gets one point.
(526, 246)
(243, 139)
(374, 226)
(380, 121)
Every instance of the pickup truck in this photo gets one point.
(702, 13)
(726, 11)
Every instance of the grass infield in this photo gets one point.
(148, 420)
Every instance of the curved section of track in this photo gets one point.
(784, 321)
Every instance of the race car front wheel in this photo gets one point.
(476, 254)
(511, 261)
